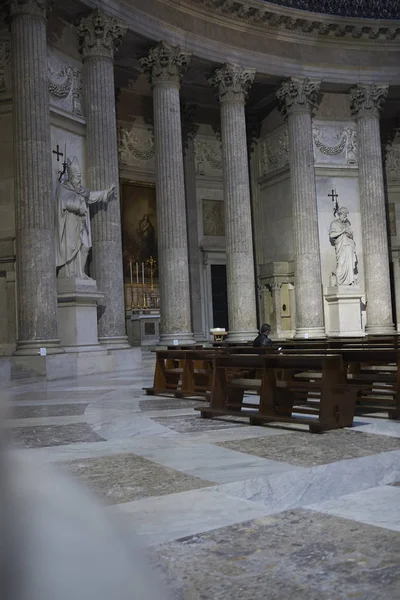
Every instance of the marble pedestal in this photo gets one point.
(77, 313)
(143, 329)
(344, 311)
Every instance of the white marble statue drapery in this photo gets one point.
(341, 236)
(73, 235)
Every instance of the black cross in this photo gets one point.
(334, 196)
(58, 153)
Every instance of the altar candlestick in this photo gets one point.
(137, 272)
(143, 273)
(130, 271)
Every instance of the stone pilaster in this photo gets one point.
(297, 98)
(166, 65)
(99, 35)
(36, 270)
(189, 129)
(232, 83)
(365, 103)
(276, 299)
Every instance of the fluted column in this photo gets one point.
(232, 83)
(99, 35)
(297, 98)
(34, 212)
(166, 65)
(365, 103)
(189, 129)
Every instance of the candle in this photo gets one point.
(137, 272)
(130, 270)
(143, 273)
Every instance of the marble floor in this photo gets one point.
(223, 510)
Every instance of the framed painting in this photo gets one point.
(139, 223)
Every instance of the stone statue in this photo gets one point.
(341, 236)
(73, 237)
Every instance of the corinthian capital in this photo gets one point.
(100, 34)
(367, 100)
(165, 64)
(37, 8)
(232, 82)
(297, 95)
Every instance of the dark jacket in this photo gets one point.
(261, 341)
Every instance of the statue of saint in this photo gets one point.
(341, 236)
(73, 237)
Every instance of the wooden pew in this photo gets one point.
(331, 401)
(183, 373)
(374, 372)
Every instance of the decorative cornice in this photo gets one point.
(165, 64)
(100, 34)
(37, 8)
(362, 9)
(232, 82)
(297, 95)
(277, 18)
(367, 100)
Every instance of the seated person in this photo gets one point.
(262, 339)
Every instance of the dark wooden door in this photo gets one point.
(219, 296)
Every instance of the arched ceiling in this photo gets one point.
(367, 9)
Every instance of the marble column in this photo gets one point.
(366, 102)
(232, 83)
(166, 65)
(297, 98)
(34, 212)
(189, 129)
(99, 35)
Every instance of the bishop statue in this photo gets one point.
(73, 237)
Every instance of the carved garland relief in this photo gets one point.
(65, 88)
(332, 146)
(135, 145)
(274, 151)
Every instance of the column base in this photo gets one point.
(237, 337)
(380, 329)
(118, 342)
(32, 347)
(303, 333)
(177, 339)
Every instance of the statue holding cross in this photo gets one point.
(341, 237)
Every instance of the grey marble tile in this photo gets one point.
(187, 424)
(296, 554)
(309, 450)
(126, 477)
(168, 404)
(52, 435)
(51, 410)
(379, 506)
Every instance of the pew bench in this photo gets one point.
(323, 404)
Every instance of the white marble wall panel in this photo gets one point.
(275, 227)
